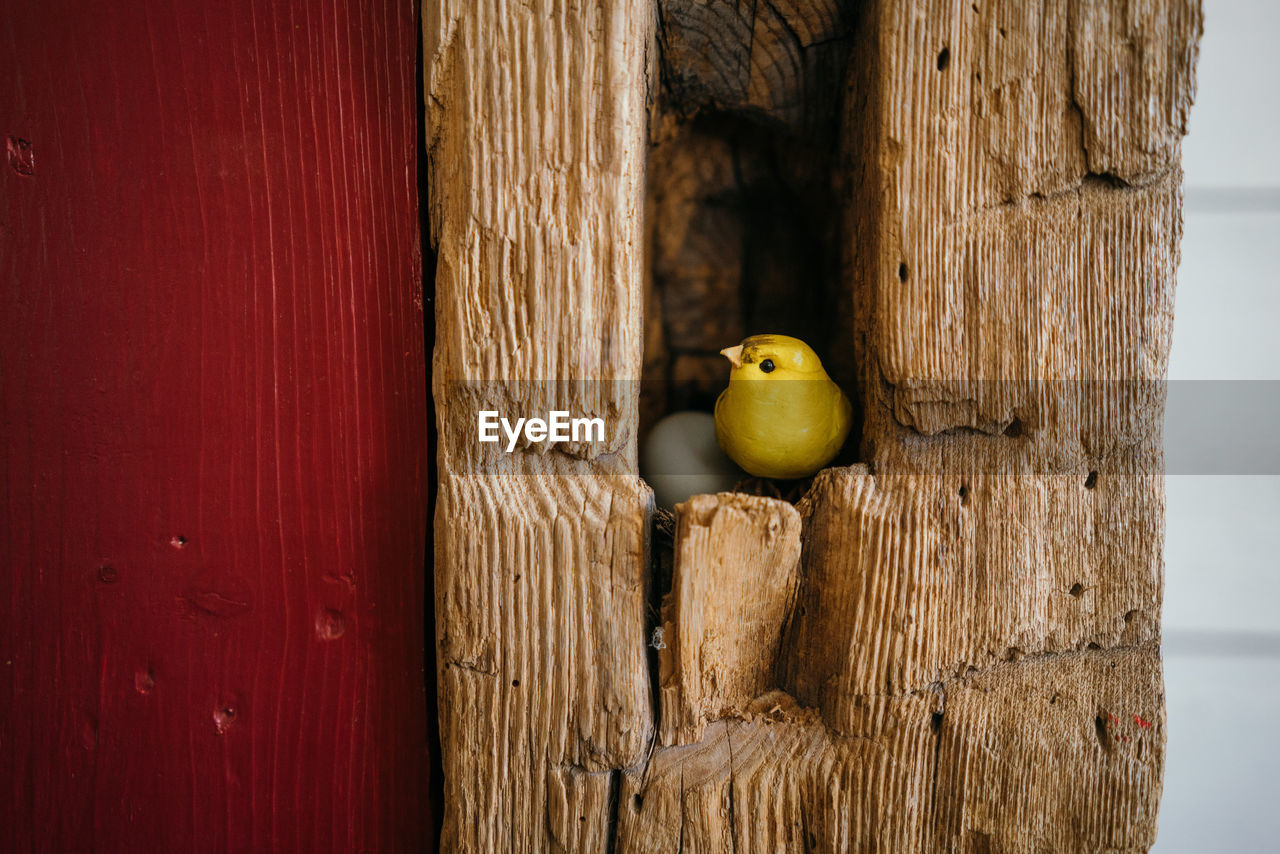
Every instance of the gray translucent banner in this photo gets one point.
(1209, 427)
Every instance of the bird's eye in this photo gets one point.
(767, 365)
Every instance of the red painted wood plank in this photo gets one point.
(212, 421)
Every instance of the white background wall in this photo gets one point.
(1222, 584)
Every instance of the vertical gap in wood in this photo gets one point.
(661, 561)
(861, 207)
(611, 831)
(660, 542)
(436, 783)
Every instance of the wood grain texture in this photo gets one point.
(998, 252)
(913, 579)
(737, 564)
(536, 140)
(1025, 756)
(979, 603)
(775, 779)
(971, 661)
(212, 383)
(770, 58)
(1057, 322)
(1061, 753)
(544, 690)
(1016, 216)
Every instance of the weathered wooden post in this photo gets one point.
(967, 656)
(536, 140)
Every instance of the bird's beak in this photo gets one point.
(733, 354)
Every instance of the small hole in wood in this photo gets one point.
(1053, 699)
(637, 802)
(1091, 481)
(330, 624)
(1077, 590)
(515, 683)
(223, 718)
(178, 541)
(1128, 617)
(964, 494)
(935, 721)
(944, 58)
(1014, 430)
(144, 680)
(107, 574)
(21, 156)
(902, 272)
(1100, 730)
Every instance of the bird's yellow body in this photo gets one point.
(781, 416)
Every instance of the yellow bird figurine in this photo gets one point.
(781, 416)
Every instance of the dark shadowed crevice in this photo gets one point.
(436, 760)
(744, 205)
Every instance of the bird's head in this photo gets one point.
(773, 357)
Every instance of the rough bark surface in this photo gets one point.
(737, 563)
(913, 579)
(1023, 756)
(536, 143)
(970, 656)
